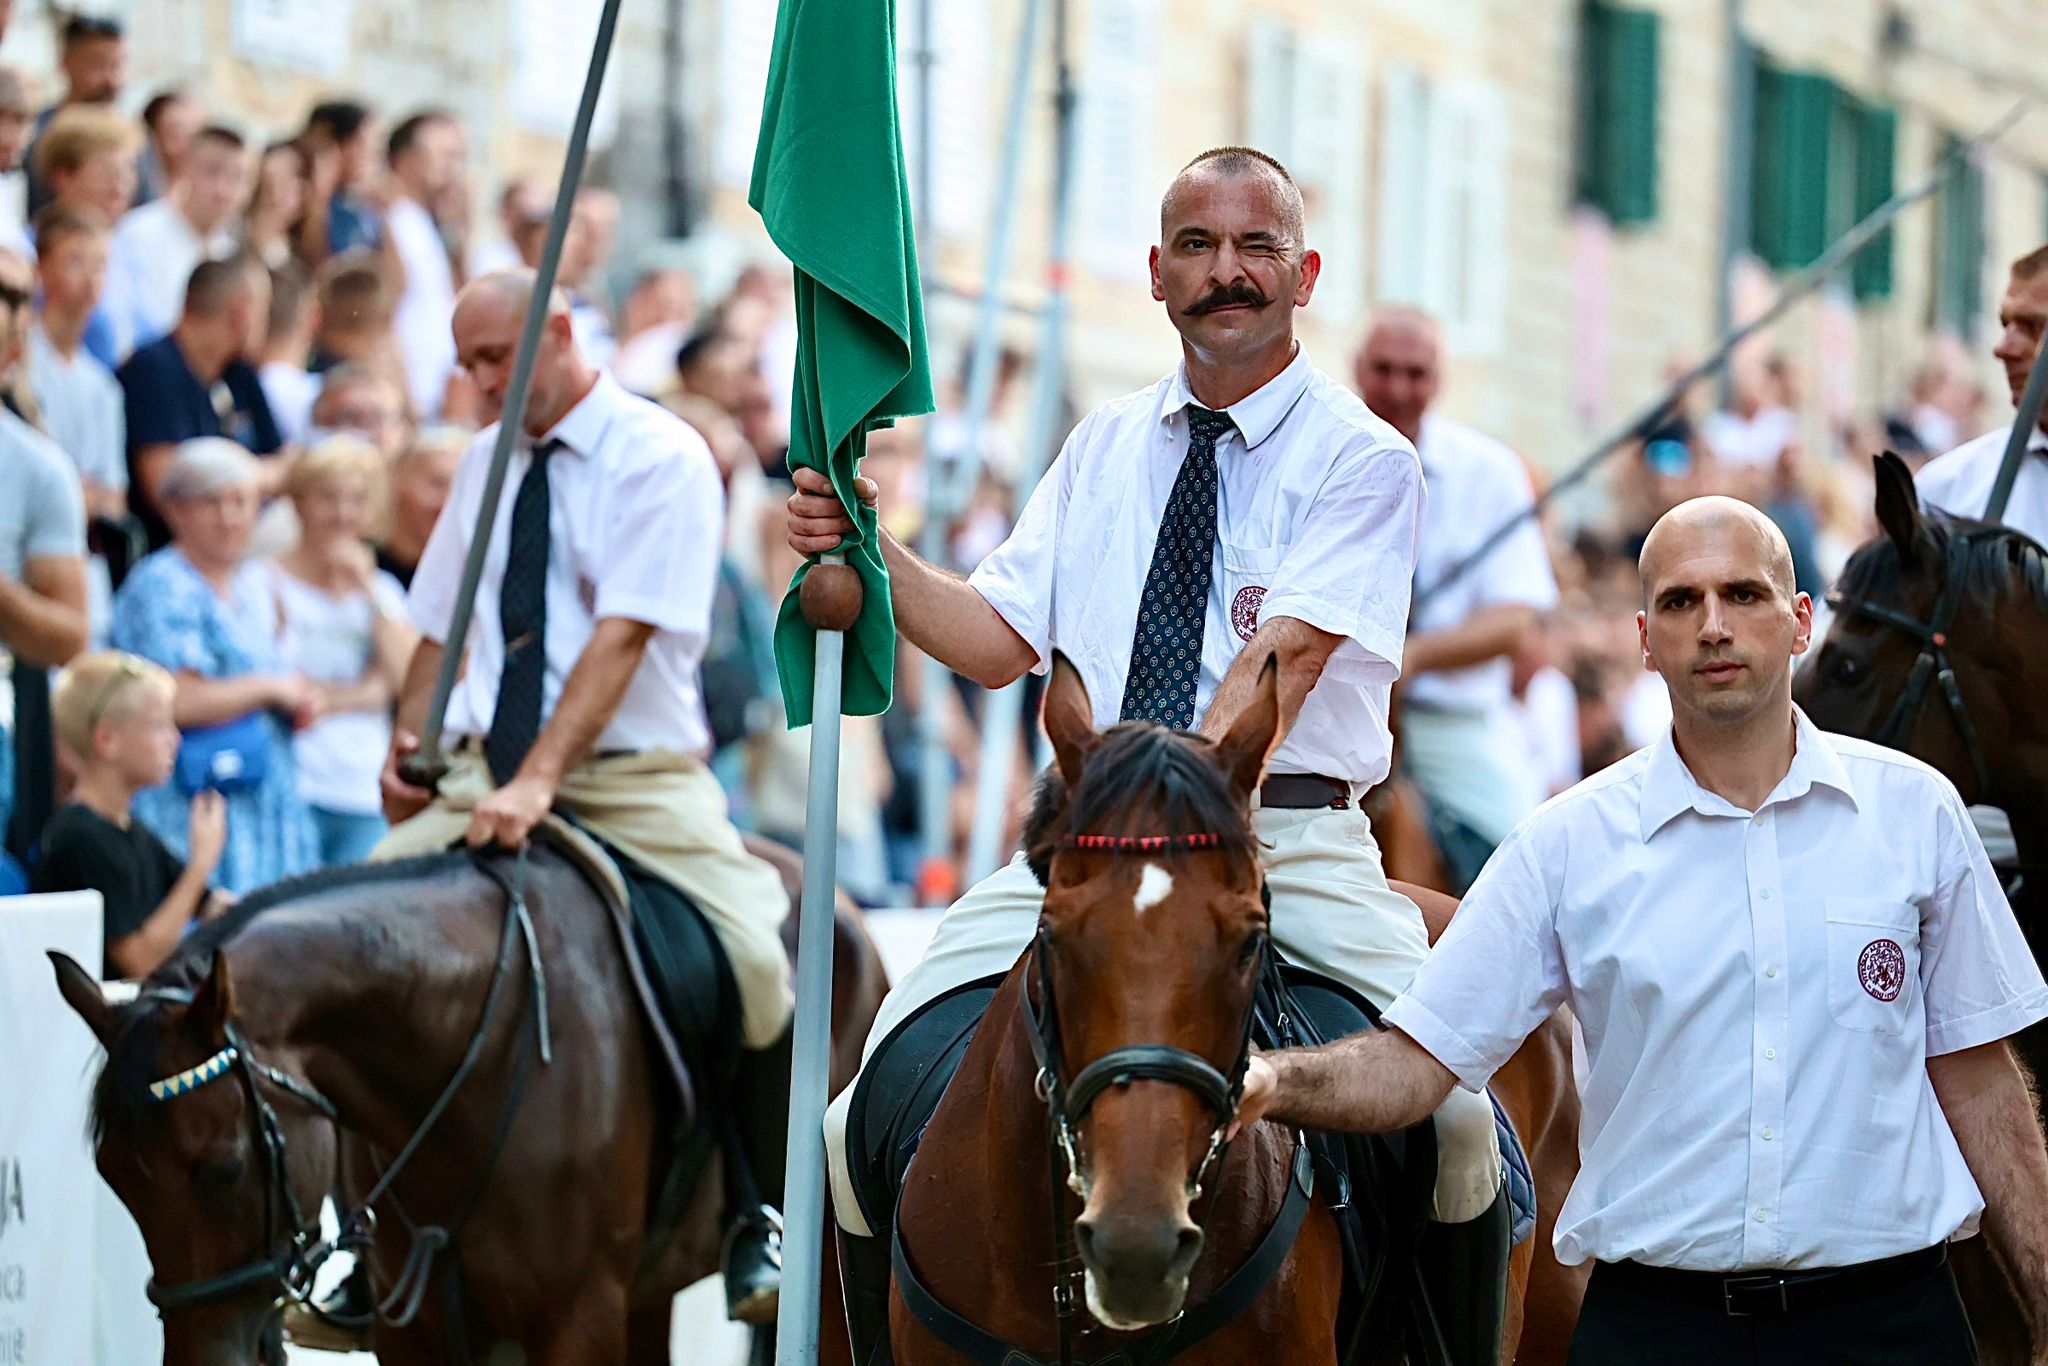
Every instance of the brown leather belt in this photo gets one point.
(1304, 792)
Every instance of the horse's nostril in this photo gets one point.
(1190, 1248)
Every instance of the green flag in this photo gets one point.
(829, 185)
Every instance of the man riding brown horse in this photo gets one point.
(1245, 509)
(581, 690)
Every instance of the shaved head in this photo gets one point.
(1239, 163)
(510, 288)
(1723, 522)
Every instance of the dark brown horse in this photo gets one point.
(359, 995)
(1128, 1020)
(1939, 647)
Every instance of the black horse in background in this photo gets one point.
(1939, 648)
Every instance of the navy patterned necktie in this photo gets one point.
(523, 610)
(1166, 649)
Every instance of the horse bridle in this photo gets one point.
(1067, 1102)
(1933, 664)
(295, 1252)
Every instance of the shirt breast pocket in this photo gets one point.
(1248, 572)
(1873, 963)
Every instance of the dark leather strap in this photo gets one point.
(1766, 1294)
(1304, 792)
(1160, 1344)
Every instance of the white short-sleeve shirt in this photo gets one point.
(635, 516)
(1760, 993)
(1318, 507)
(150, 260)
(1477, 485)
(1960, 482)
(421, 320)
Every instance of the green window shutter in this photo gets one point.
(1959, 247)
(1617, 155)
(1795, 120)
(1877, 130)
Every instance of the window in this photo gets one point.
(1117, 219)
(1441, 218)
(1959, 246)
(1305, 105)
(1617, 135)
(1823, 160)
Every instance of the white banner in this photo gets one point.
(49, 1192)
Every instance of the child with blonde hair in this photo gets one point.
(113, 712)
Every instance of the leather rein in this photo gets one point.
(1933, 665)
(296, 1252)
(1067, 1102)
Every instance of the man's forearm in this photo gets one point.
(590, 698)
(1487, 634)
(1299, 649)
(38, 630)
(418, 688)
(1371, 1083)
(1985, 1096)
(944, 616)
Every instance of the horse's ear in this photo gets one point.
(214, 1003)
(1069, 719)
(84, 996)
(1898, 505)
(1253, 735)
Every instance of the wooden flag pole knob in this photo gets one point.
(831, 596)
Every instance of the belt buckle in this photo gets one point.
(1737, 1285)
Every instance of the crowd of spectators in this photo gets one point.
(232, 414)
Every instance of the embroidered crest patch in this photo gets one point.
(1244, 611)
(1882, 969)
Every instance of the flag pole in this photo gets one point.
(1005, 711)
(426, 766)
(831, 601)
(2024, 422)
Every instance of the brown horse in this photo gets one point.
(1939, 647)
(1128, 1022)
(398, 1003)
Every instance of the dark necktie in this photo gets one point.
(523, 610)
(1166, 649)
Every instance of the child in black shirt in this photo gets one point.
(113, 711)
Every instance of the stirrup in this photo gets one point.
(753, 1292)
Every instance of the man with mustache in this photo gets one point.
(1960, 482)
(1796, 973)
(1245, 507)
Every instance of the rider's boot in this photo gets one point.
(864, 1278)
(342, 1321)
(752, 1262)
(1465, 1270)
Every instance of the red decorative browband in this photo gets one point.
(1140, 844)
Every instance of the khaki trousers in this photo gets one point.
(1332, 911)
(668, 814)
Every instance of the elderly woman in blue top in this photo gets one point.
(203, 610)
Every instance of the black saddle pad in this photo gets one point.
(1381, 1185)
(688, 975)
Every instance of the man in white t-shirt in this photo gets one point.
(1795, 972)
(156, 247)
(1458, 724)
(427, 153)
(1245, 508)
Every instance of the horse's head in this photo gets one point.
(1149, 950)
(221, 1162)
(1923, 653)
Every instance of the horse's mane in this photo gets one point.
(1141, 776)
(1990, 562)
(121, 1104)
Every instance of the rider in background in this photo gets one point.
(1960, 481)
(581, 689)
(1246, 507)
(1457, 719)
(1796, 973)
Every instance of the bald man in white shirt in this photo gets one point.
(1796, 974)
(1459, 734)
(1244, 508)
(580, 690)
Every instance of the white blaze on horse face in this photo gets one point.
(1155, 884)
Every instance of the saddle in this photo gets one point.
(1380, 1186)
